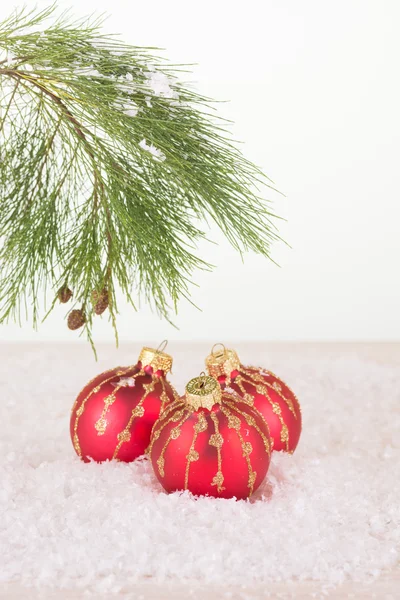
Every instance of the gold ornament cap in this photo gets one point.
(222, 362)
(156, 358)
(203, 392)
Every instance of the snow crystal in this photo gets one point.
(158, 154)
(130, 109)
(125, 86)
(160, 84)
(88, 72)
(328, 513)
(131, 112)
(7, 57)
(125, 382)
(93, 73)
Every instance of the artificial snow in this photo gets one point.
(160, 84)
(155, 152)
(328, 513)
(125, 382)
(89, 72)
(9, 58)
(130, 110)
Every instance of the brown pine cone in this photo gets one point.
(100, 301)
(76, 319)
(64, 294)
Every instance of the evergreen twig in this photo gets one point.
(108, 165)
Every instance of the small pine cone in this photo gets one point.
(64, 294)
(76, 319)
(100, 301)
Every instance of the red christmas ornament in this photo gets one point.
(210, 443)
(115, 412)
(263, 391)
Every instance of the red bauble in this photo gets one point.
(263, 391)
(210, 443)
(115, 412)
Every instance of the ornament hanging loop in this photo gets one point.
(161, 347)
(202, 380)
(220, 352)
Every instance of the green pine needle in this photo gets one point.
(108, 166)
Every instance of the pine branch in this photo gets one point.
(108, 167)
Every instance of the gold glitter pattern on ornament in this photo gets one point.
(252, 480)
(124, 436)
(160, 465)
(178, 415)
(217, 440)
(233, 422)
(267, 443)
(252, 474)
(284, 435)
(175, 433)
(101, 424)
(76, 445)
(156, 435)
(202, 424)
(164, 396)
(263, 390)
(277, 388)
(252, 423)
(246, 397)
(276, 408)
(218, 480)
(96, 389)
(137, 412)
(175, 394)
(247, 449)
(164, 422)
(160, 461)
(169, 409)
(192, 454)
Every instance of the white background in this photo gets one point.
(314, 93)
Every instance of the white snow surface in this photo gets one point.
(330, 512)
